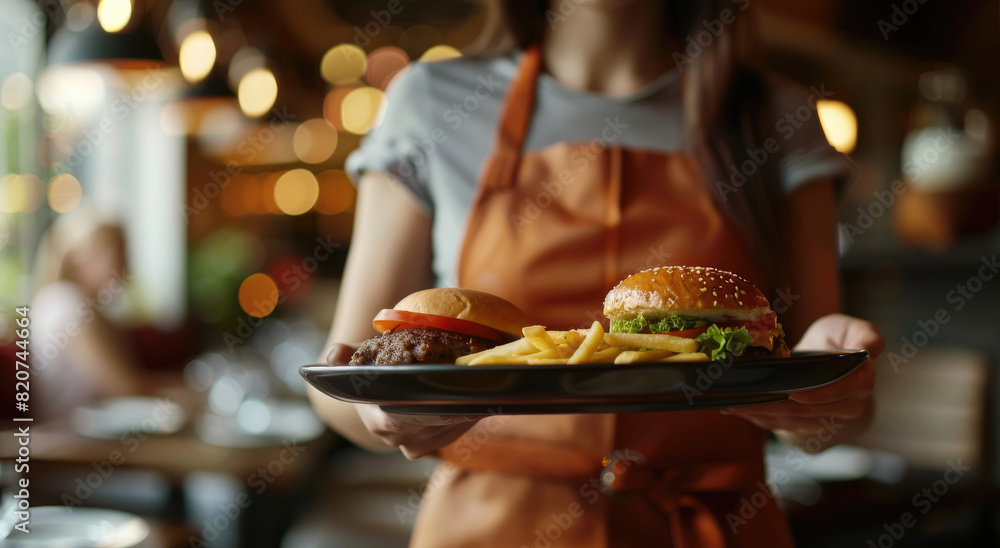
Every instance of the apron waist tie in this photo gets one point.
(673, 489)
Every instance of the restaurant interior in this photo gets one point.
(207, 140)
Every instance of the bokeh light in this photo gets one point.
(336, 193)
(268, 182)
(314, 141)
(332, 104)
(243, 61)
(20, 193)
(384, 64)
(79, 16)
(16, 91)
(440, 53)
(258, 295)
(361, 109)
(839, 124)
(114, 14)
(296, 191)
(343, 64)
(257, 92)
(197, 55)
(64, 193)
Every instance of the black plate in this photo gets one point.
(590, 388)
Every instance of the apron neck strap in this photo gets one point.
(515, 120)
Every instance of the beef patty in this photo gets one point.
(418, 346)
(761, 353)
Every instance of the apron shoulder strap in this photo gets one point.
(515, 120)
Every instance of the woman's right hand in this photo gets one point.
(415, 435)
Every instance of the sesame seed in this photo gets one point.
(741, 303)
(715, 303)
(704, 289)
(714, 294)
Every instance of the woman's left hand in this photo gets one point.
(847, 399)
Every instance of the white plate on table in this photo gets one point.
(67, 527)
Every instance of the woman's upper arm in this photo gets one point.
(815, 290)
(389, 258)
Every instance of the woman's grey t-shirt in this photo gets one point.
(441, 123)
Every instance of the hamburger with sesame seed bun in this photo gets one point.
(725, 313)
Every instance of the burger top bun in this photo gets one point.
(687, 291)
(466, 304)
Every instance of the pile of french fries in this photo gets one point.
(542, 347)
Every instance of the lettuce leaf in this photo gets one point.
(664, 325)
(717, 342)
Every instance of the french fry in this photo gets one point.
(687, 357)
(652, 342)
(589, 344)
(638, 356)
(538, 337)
(565, 350)
(605, 355)
(505, 359)
(520, 346)
(547, 361)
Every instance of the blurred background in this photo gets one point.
(171, 179)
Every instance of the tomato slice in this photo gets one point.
(763, 323)
(389, 319)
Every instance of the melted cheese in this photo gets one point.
(765, 338)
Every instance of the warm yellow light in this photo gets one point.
(439, 53)
(296, 191)
(114, 14)
(359, 112)
(257, 92)
(64, 193)
(20, 193)
(343, 64)
(258, 295)
(197, 55)
(16, 91)
(314, 141)
(839, 124)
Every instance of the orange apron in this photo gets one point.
(552, 231)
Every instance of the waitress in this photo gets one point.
(575, 148)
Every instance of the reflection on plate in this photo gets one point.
(589, 388)
(67, 527)
(116, 417)
(260, 422)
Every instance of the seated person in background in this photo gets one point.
(81, 347)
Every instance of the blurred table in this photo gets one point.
(267, 483)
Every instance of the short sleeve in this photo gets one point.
(805, 154)
(394, 146)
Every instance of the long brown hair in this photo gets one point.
(726, 110)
